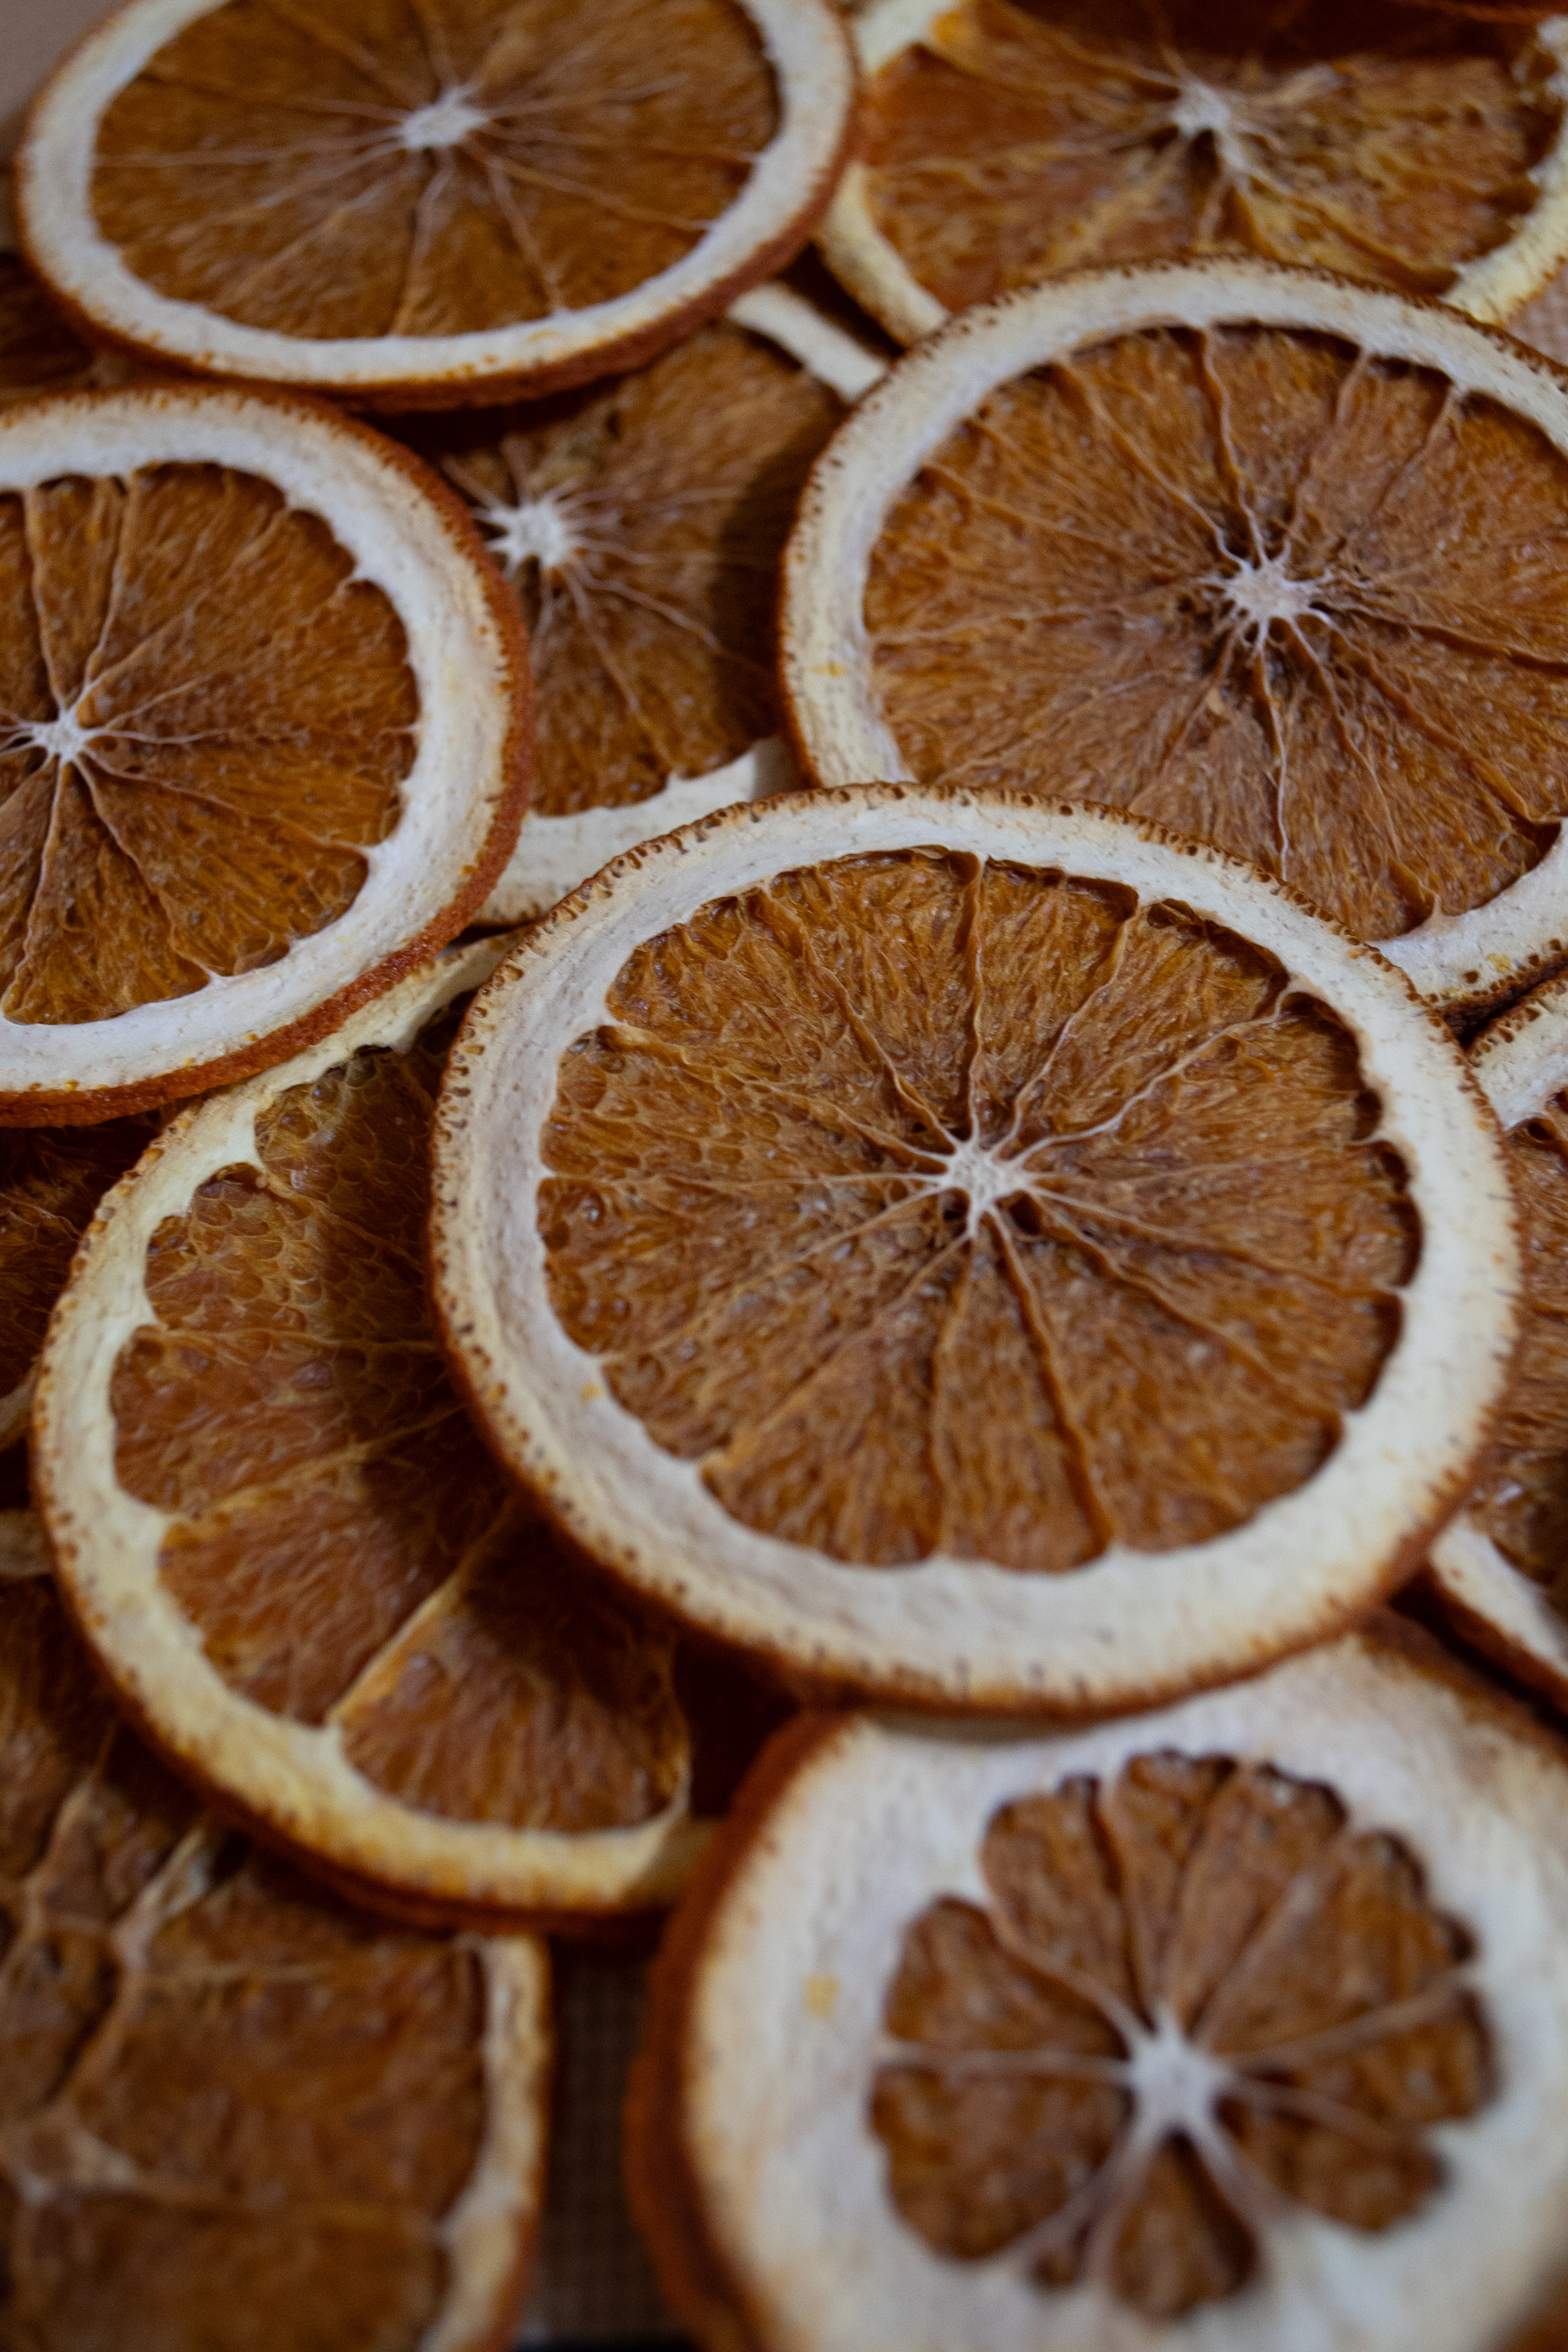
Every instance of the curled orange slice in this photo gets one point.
(225, 2092)
(971, 1249)
(640, 525)
(263, 703)
(1257, 554)
(289, 1550)
(1235, 2017)
(432, 201)
(1008, 140)
(1498, 1571)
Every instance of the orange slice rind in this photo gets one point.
(1006, 146)
(755, 1321)
(196, 2039)
(460, 207)
(301, 1575)
(1187, 540)
(643, 529)
(1495, 1570)
(1219, 2019)
(264, 706)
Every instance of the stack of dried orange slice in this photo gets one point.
(1003, 1236)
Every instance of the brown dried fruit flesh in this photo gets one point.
(359, 1576)
(223, 2092)
(1225, 2024)
(427, 203)
(39, 351)
(51, 1181)
(901, 1263)
(1522, 1502)
(1259, 556)
(641, 527)
(1497, 1575)
(187, 793)
(1027, 1202)
(1016, 139)
(1195, 1916)
(1260, 588)
(430, 170)
(263, 735)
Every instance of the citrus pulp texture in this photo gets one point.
(1262, 557)
(640, 525)
(1221, 2025)
(1007, 141)
(227, 2093)
(262, 712)
(1498, 1571)
(51, 1181)
(289, 1550)
(976, 1249)
(427, 205)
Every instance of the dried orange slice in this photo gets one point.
(263, 704)
(1234, 2020)
(1497, 1570)
(432, 203)
(51, 1181)
(1256, 555)
(1007, 141)
(289, 1550)
(973, 1250)
(235, 2108)
(640, 525)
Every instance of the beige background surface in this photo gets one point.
(33, 33)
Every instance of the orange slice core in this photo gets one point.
(393, 169)
(1023, 136)
(203, 723)
(1191, 1994)
(932, 1205)
(1259, 586)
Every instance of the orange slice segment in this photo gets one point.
(1252, 553)
(262, 714)
(1008, 140)
(51, 1181)
(423, 205)
(1497, 1570)
(222, 2087)
(640, 526)
(291, 1554)
(929, 1239)
(1221, 2019)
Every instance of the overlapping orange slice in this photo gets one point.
(1263, 556)
(641, 526)
(1226, 2024)
(235, 2110)
(975, 1250)
(1499, 1572)
(1007, 141)
(263, 708)
(288, 1549)
(51, 1181)
(428, 203)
